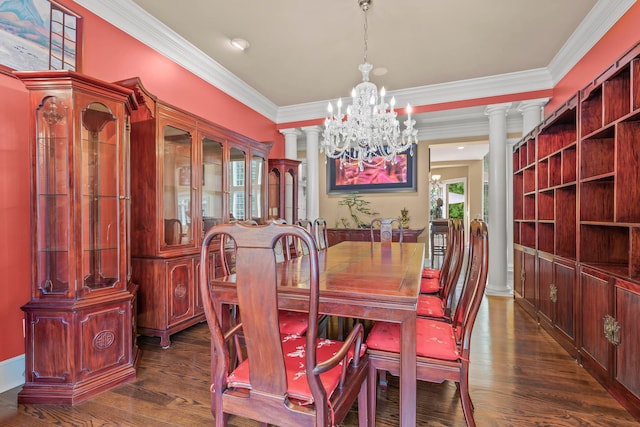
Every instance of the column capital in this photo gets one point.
(311, 129)
(494, 109)
(532, 104)
(290, 131)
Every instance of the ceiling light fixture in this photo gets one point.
(369, 134)
(240, 44)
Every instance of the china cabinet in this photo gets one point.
(189, 175)
(576, 197)
(80, 320)
(283, 189)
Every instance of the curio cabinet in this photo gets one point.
(80, 320)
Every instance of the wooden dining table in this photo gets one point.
(363, 280)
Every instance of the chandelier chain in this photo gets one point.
(365, 8)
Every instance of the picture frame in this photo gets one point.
(41, 35)
(384, 177)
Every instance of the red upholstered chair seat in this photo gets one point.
(430, 273)
(293, 348)
(430, 306)
(429, 286)
(293, 322)
(434, 339)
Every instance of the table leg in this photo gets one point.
(408, 380)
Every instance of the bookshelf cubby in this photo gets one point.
(617, 102)
(596, 204)
(529, 179)
(635, 72)
(546, 205)
(543, 174)
(627, 179)
(590, 111)
(566, 222)
(530, 207)
(597, 154)
(569, 164)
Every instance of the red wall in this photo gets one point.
(112, 55)
(14, 215)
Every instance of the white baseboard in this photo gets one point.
(11, 373)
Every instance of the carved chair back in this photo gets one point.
(386, 229)
(268, 397)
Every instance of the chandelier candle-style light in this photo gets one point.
(369, 133)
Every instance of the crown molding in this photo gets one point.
(461, 123)
(593, 27)
(135, 21)
(481, 87)
(132, 19)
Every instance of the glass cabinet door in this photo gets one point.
(237, 184)
(288, 196)
(212, 190)
(178, 191)
(257, 178)
(100, 201)
(274, 194)
(53, 196)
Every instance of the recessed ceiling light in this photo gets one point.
(461, 148)
(380, 71)
(240, 44)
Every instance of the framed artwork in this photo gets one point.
(38, 35)
(400, 176)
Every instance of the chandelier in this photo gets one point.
(369, 134)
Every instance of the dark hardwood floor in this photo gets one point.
(519, 377)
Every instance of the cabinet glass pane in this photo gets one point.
(52, 188)
(274, 194)
(236, 184)
(100, 225)
(211, 183)
(177, 186)
(257, 174)
(288, 197)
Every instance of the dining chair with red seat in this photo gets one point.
(433, 279)
(438, 305)
(284, 380)
(442, 349)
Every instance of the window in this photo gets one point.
(237, 173)
(41, 35)
(63, 38)
(238, 205)
(237, 196)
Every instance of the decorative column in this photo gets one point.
(532, 113)
(290, 143)
(313, 172)
(497, 281)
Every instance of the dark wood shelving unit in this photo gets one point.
(577, 226)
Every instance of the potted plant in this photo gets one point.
(356, 205)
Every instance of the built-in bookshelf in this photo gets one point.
(577, 226)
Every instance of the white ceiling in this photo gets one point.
(304, 53)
